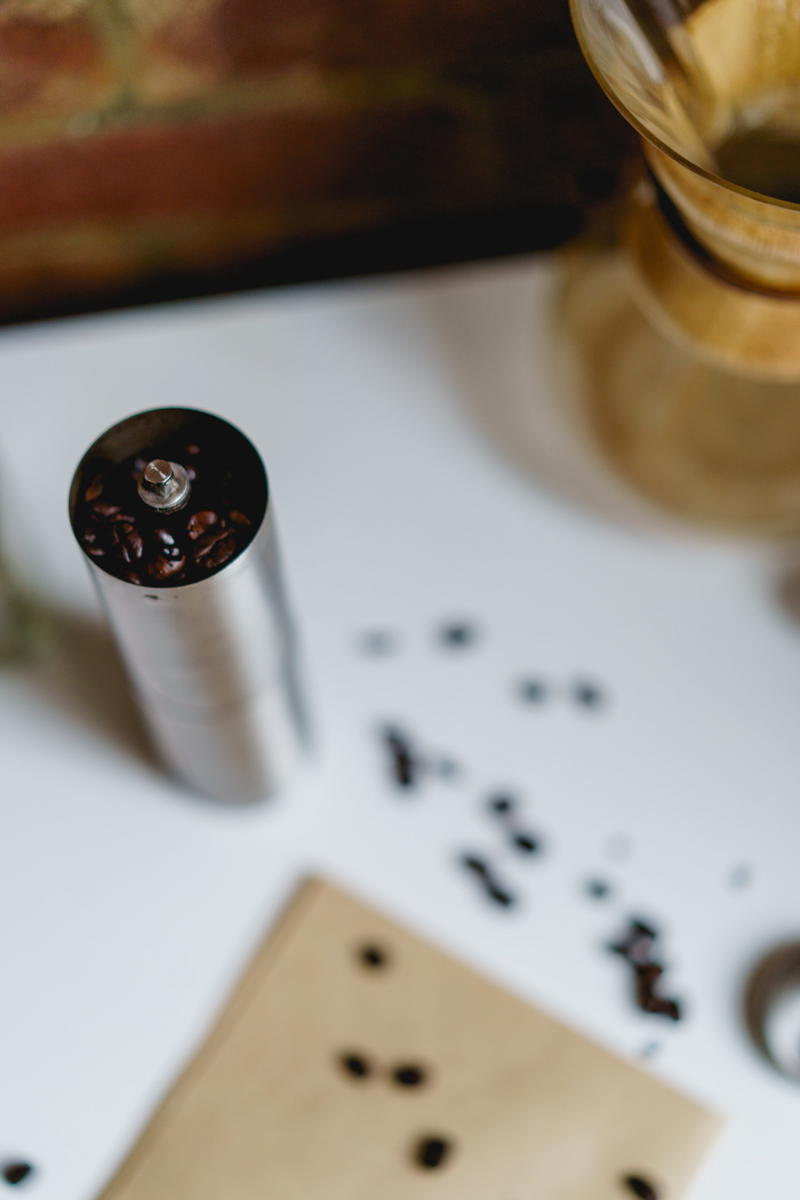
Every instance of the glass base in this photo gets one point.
(710, 446)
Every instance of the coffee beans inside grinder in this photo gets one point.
(172, 511)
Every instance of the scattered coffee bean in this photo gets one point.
(377, 643)
(588, 695)
(372, 956)
(404, 764)
(598, 889)
(16, 1172)
(432, 1152)
(526, 843)
(355, 1065)
(500, 896)
(408, 1075)
(477, 865)
(501, 803)
(531, 691)
(456, 635)
(638, 1186)
(492, 887)
(637, 948)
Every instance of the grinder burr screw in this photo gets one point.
(164, 485)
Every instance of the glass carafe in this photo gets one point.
(688, 334)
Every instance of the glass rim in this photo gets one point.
(647, 134)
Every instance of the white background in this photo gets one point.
(396, 419)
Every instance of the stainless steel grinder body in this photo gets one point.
(214, 663)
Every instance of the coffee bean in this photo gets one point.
(408, 1075)
(457, 634)
(598, 889)
(478, 865)
(166, 566)
(531, 691)
(94, 490)
(16, 1172)
(355, 1065)
(129, 541)
(526, 843)
(105, 510)
(588, 695)
(500, 896)
(501, 803)
(239, 518)
(403, 762)
(199, 522)
(432, 1152)
(640, 1187)
(223, 549)
(373, 957)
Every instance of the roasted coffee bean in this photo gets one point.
(598, 889)
(531, 691)
(166, 566)
(128, 540)
(409, 1075)
(16, 1172)
(223, 549)
(640, 1187)
(457, 634)
(403, 762)
(373, 957)
(102, 509)
(94, 490)
(192, 448)
(431, 1152)
(526, 843)
(199, 522)
(588, 695)
(355, 1065)
(478, 866)
(239, 518)
(501, 803)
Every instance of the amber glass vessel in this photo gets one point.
(688, 333)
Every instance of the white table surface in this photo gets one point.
(127, 908)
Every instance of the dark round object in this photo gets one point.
(372, 956)
(355, 1065)
(637, 1185)
(587, 695)
(598, 889)
(16, 1172)
(531, 691)
(455, 635)
(501, 803)
(432, 1152)
(526, 843)
(475, 864)
(409, 1076)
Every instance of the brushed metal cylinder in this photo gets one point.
(214, 663)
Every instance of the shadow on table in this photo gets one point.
(80, 672)
(499, 338)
